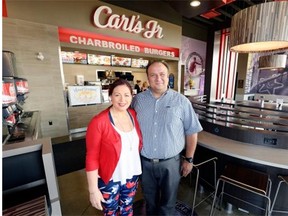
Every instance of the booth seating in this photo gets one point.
(196, 169)
(248, 186)
(282, 179)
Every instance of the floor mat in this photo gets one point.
(181, 209)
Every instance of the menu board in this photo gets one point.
(80, 58)
(99, 59)
(139, 63)
(74, 57)
(103, 60)
(67, 57)
(121, 61)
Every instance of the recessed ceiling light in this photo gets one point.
(195, 3)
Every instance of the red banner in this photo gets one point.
(96, 40)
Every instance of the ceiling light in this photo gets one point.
(272, 62)
(260, 28)
(195, 3)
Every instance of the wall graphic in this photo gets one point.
(193, 56)
(274, 82)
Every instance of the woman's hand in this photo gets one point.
(96, 198)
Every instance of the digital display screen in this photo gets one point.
(99, 59)
(74, 57)
(139, 63)
(121, 61)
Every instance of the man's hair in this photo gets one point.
(157, 61)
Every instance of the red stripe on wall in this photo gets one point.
(219, 66)
(223, 54)
(234, 74)
(228, 90)
(97, 40)
(4, 9)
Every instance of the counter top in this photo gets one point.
(27, 129)
(26, 153)
(249, 152)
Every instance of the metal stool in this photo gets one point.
(249, 180)
(197, 168)
(282, 179)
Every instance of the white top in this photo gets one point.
(129, 163)
(274, 157)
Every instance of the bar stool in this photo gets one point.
(196, 168)
(251, 181)
(282, 179)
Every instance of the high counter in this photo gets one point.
(273, 161)
(263, 155)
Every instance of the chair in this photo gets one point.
(244, 179)
(196, 168)
(282, 179)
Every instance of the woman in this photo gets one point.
(113, 143)
(144, 86)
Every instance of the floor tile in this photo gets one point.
(74, 197)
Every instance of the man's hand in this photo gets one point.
(186, 168)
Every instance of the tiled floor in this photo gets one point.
(75, 200)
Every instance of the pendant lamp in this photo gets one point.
(260, 28)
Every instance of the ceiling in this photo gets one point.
(214, 14)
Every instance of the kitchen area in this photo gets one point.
(87, 76)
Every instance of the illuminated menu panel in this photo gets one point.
(121, 61)
(74, 57)
(139, 63)
(99, 59)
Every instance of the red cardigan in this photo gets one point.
(103, 144)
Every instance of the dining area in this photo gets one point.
(249, 140)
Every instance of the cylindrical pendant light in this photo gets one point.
(272, 62)
(260, 28)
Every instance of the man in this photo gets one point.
(137, 86)
(167, 121)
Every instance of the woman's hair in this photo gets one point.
(119, 82)
(157, 61)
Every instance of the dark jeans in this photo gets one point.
(160, 181)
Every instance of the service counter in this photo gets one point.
(250, 134)
(245, 122)
(80, 116)
(272, 161)
(258, 154)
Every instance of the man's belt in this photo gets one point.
(159, 160)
